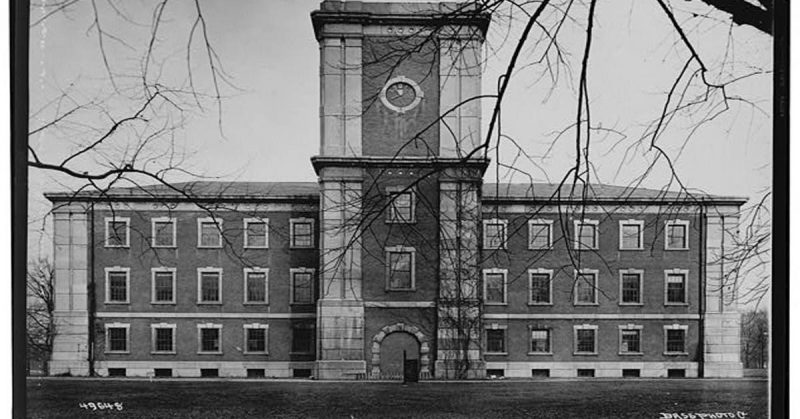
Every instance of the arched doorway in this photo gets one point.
(392, 348)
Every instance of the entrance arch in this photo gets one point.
(401, 340)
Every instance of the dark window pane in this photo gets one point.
(164, 281)
(676, 340)
(630, 341)
(209, 340)
(117, 286)
(495, 340)
(302, 288)
(302, 234)
(495, 236)
(540, 288)
(164, 339)
(209, 282)
(586, 236)
(402, 206)
(631, 288)
(163, 233)
(117, 339)
(117, 233)
(495, 288)
(256, 287)
(585, 288)
(630, 236)
(540, 236)
(400, 270)
(540, 340)
(585, 339)
(256, 234)
(210, 234)
(676, 288)
(676, 236)
(256, 340)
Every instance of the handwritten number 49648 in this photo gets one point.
(100, 406)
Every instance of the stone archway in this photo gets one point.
(424, 348)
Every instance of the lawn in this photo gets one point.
(631, 398)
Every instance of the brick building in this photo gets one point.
(399, 250)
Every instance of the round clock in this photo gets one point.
(401, 94)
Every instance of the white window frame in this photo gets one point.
(667, 224)
(493, 221)
(265, 271)
(174, 222)
(628, 327)
(549, 224)
(292, 222)
(495, 326)
(495, 271)
(200, 271)
(127, 284)
(596, 274)
(127, 328)
(250, 326)
(153, 346)
(153, 272)
(247, 222)
(202, 326)
(400, 249)
(575, 329)
(640, 224)
(539, 271)
(391, 217)
(127, 222)
(576, 232)
(293, 271)
(200, 222)
(685, 273)
(639, 272)
(676, 326)
(531, 328)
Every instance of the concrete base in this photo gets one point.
(341, 370)
(723, 370)
(447, 370)
(601, 369)
(237, 369)
(71, 344)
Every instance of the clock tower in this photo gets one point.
(400, 173)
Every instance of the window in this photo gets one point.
(494, 286)
(209, 233)
(631, 235)
(302, 232)
(540, 340)
(400, 267)
(539, 285)
(630, 287)
(255, 373)
(540, 234)
(255, 338)
(209, 337)
(117, 372)
(164, 232)
(494, 234)
(586, 287)
(117, 337)
(675, 339)
(256, 233)
(163, 336)
(675, 287)
(163, 291)
(209, 372)
(631, 372)
(586, 234)
(495, 340)
(540, 373)
(676, 237)
(117, 285)
(303, 338)
(586, 340)
(401, 205)
(209, 285)
(256, 286)
(585, 373)
(630, 338)
(162, 372)
(302, 290)
(118, 232)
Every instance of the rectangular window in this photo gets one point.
(209, 233)
(676, 236)
(631, 235)
(302, 338)
(256, 337)
(162, 372)
(540, 340)
(586, 287)
(540, 235)
(494, 286)
(302, 230)
(630, 287)
(585, 373)
(209, 372)
(164, 232)
(256, 233)
(118, 231)
(675, 340)
(210, 338)
(163, 285)
(495, 341)
(255, 285)
(585, 340)
(209, 285)
(117, 284)
(586, 236)
(117, 372)
(401, 206)
(494, 234)
(400, 268)
(675, 287)
(255, 373)
(302, 286)
(117, 336)
(539, 285)
(630, 341)
(630, 372)
(164, 338)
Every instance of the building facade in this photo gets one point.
(400, 251)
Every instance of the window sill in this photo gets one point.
(486, 303)
(301, 247)
(401, 289)
(162, 353)
(401, 222)
(255, 353)
(541, 248)
(164, 247)
(163, 303)
(539, 304)
(117, 302)
(630, 353)
(209, 353)
(496, 353)
(678, 250)
(540, 353)
(494, 248)
(586, 304)
(255, 303)
(117, 247)
(209, 303)
(210, 247)
(676, 353)
(584, 353)
(623, 249)
(676, 304)
(255, 247)
(631, 304)
(118, 352)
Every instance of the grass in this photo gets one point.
(593, 398)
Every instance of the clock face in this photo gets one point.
(401, 94)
